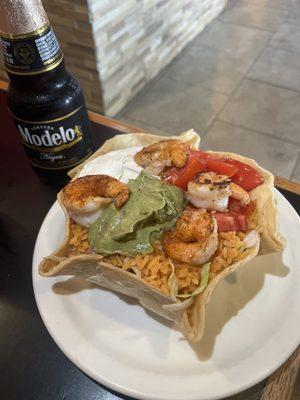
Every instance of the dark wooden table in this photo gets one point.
(31, 365)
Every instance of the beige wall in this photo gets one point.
(70, 20)
(114, 47)
(135, 39)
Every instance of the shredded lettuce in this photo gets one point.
(173, 283)
(204, 281)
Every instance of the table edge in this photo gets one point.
(280, 182)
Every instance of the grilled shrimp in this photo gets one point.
(85, 198)
(157, 156)
(209, 190)
(194, 238)
(239, 193)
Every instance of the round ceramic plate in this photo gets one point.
(252, 325)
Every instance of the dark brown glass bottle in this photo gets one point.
(45, 101)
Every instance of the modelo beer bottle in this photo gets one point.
(44, 100)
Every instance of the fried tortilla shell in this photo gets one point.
(188, 315)
(192, 322)
(263, 196)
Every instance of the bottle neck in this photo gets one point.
(31, 54)
(41, 80)
(28, 41)
(19, 17)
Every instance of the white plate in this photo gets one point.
(252, 325)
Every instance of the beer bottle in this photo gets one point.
(44, 99)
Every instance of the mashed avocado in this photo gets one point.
(152, 206)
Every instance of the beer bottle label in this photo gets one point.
(59, 143)
(31, 53)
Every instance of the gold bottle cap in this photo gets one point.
(19, 17)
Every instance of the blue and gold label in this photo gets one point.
(31, 53)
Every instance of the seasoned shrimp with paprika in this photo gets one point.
(211, 190)
(194, 238)
(86, 198)
(166, 153)
(239, 193)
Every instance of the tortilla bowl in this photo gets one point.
(188, 315)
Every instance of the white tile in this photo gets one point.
(209, 68)
(273, 154)
(287, 37)
(296, 172)
(279, 67)
(239, 41)
(266, 109)
(142, 125)
(175, 106)
(256, 16)
(281, 4)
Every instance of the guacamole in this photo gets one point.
(152, 207)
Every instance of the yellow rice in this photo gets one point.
(155, 268)
(78, 242)
(230, 250)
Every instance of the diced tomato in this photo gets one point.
(226, 221)
(181, 176)
(199, 161)
(203, 155)
(220, 167)
(246, 177)
(241, 220)
(249, 208)
(200, 154)
(230, 221)
(239, 212)
(236, 207)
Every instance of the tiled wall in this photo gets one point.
(135, 39)
(115, 47)
(70, 19)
